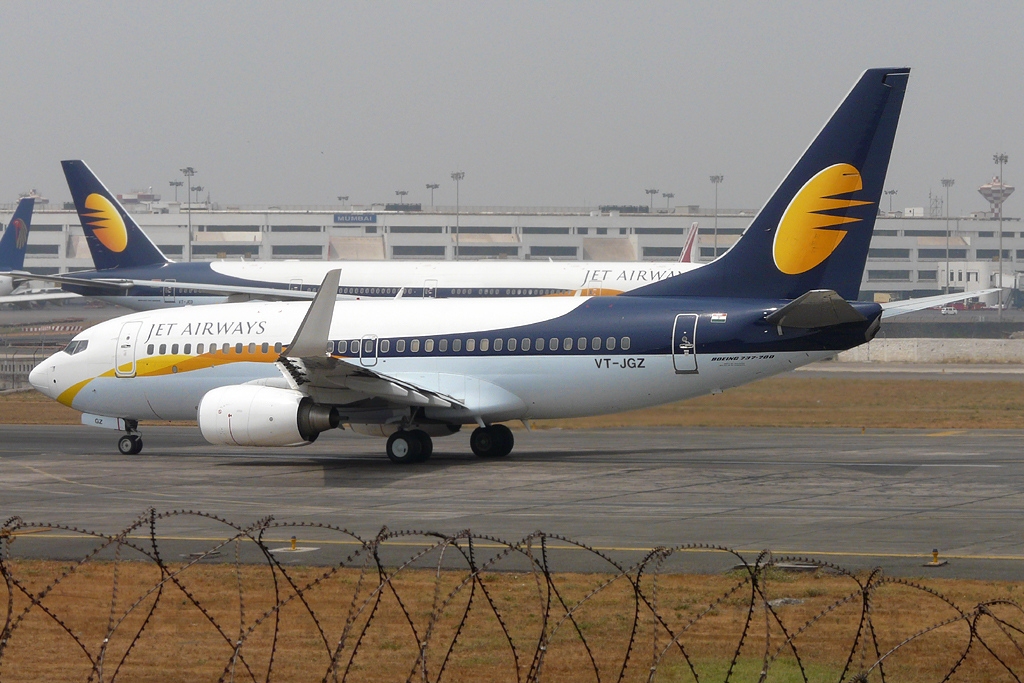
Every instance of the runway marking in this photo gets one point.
(949, 432)
(802, 553)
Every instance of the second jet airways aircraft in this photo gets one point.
(132, 272)
(279, 373)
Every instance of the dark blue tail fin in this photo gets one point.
(114, 238)
(815, 229)
(15, 239)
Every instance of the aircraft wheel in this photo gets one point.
(130, 444)
(404, 448)
(426, 444)
(495, 441)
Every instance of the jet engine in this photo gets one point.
(6, 285)
(250, 415)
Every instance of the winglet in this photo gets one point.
(311, 338)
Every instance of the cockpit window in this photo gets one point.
(76, 346)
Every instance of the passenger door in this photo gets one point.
(430, 289)
(684, 344)
(127, 342)
(168, 291)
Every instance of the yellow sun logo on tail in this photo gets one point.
(106, 223)
(807, 235)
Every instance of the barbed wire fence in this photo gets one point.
(426, 606)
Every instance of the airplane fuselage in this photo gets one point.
(378, 279)
(544, 358)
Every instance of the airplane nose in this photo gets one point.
(39, 376)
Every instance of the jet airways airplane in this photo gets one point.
(127, 264)
(280, 373)
(13, 245)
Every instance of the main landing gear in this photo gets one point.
(130, 443)
(409, 446)
(495, 441)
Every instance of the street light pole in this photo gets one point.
(343, 199)
(457, 176)
(716, 180)
(668, 196)
(401, 195)
(188, 172)
(948, 183)
(652, 192)
(1000, 159)
(891, 194)
(432, 187)
(176, 184)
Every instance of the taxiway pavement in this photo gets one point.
(878, 498)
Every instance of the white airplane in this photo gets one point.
(279, 373)
(13, 245)
(132, 272)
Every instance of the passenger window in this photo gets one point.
(581, 344)
(609, 344)
(278, 347)
(252, 347)
(485, 344)
(238, 348)
(400, 346)
(442, 345)
(428, 346)
(414, 346)
(456, 345)
(552, 344)
(539, 344)
(624, 343)
(511, 344)
(163, 349)
(265, 347)
(385, 345)
(368, 346)
(567, 344)
(174, 348)
(595, 344)
(525, 345)
(471, 345)
(199, 349)
(225, 347)
(343, 346)
(149, 350)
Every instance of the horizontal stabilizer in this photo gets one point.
(894, 308)
(817, 308)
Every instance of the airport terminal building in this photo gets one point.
(908, 255)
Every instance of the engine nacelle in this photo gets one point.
(249, 415)
(6, 285)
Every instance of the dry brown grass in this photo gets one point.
(180, 643)
(788, 401)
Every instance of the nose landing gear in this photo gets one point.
(130, 443)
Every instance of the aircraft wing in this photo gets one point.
(112, 284)
(40, 296)
(894, 308)
(309, 369)
(123, 284)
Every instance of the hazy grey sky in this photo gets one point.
(541, 104)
